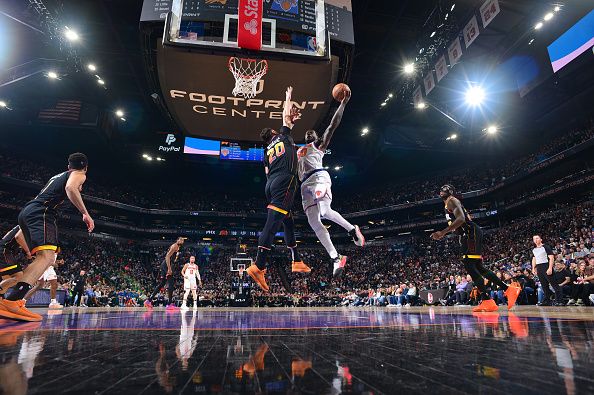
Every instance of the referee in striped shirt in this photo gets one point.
(542, 265)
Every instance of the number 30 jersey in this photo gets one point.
(281, 154)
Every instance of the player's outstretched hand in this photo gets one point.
(347, 96)
(89, 221)
(437, 235)
(289, 93)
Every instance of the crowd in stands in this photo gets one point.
(392, 274)
(478, 177)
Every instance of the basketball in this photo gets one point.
(339, 90)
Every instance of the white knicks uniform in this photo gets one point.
(49, 274)
(316, 183)
(190, 277)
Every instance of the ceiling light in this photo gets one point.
(538, 25)
(549, 16)
(453, 6)
(91, 67)
(123, 119)
(100, 81)
(531, 41)
(390, 95)
(144, 156)
(365, 131)
(71, 34)
(119, 113)
(149, 158)
(492, 129)
(454, 136)
(421, 105)
(409, 68)
(432, 34)
(446, 17)
(3, 104)
(52, 75)
(557, 9)
(475, 96)
(337, 167)
(383, 104)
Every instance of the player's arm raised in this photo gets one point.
(73, 188)
(335, 121)
(290, 113)
(454, 205)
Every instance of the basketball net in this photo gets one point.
(241, 270)
(247, 73)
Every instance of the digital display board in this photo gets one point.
(574, 42)
(196, 146)
(238, 151)
(296, 15)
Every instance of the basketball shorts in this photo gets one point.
(9, 268)
(472, 243)
(163, 271)
(49, 274)
(190, 283)
(316, 188)
(280, 192)
(39, 227)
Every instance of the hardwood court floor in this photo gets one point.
(300, 351)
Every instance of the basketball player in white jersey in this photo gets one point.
(187, 342)
(190, 273)
(316, 189)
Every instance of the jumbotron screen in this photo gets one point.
(225, 150)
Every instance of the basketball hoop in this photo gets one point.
(247, 73)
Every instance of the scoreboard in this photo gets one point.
(239, 151)
(294, 15)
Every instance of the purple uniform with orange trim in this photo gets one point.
(9, 249)
(38, 217)
(469, 233)
(281, 160)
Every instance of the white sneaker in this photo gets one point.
(184, 307)
(55, 305)
(571, 302)
(360, 239)
(591, 297)
(579, 302)
(195, 306)
(339, 264)
(407, 305)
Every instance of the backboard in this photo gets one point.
(204, 44)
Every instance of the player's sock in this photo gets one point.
(328, 213)
(313, 217)
(295, 257)
(262, 256)
(17, 292)
(489, 275)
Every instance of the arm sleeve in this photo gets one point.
(548, 250)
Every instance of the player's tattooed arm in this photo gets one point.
(453, 205)
(335, 122)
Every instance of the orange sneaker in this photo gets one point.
(486, 306)
(511, 293)
(258, 276)
(517, 326)
(300, 267)
(17, 311)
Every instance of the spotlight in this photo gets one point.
(159, 158)
(91, 67)
(409, 68)
(475, 96)
(384, 104)
(538, 26)
(453, 136)
(337, 168)
(531, 41)
(144, 156)
(421, 106)
(149, 158)
(52, 75)
(492, 129)
(71, 34)
(557, 9)
(446, 17)
(3, 104)
(549, 16)
(432, 34)
(123, 119)
(119, 113)
(453, 6)
(390, 95)
(100, 81)
(364, 131)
